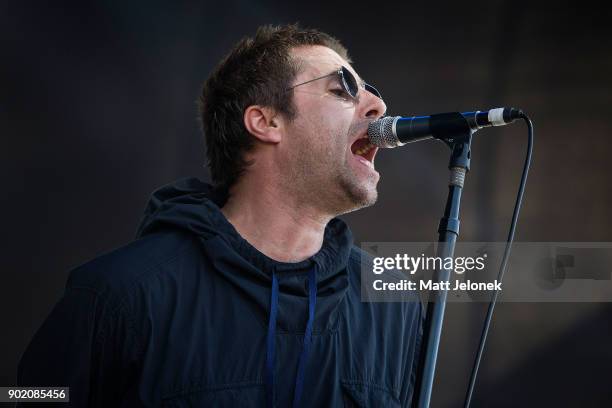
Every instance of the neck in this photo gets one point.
(277, 223)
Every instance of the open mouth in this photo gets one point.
(364, 150)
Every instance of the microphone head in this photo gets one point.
(381, 132)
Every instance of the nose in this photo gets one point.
(371, 106)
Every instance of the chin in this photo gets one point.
(360, 195)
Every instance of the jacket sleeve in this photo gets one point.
(76, 347)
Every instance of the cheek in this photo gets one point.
(333, 126)
(324, 124)
(330, 138)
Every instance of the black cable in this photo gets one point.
(502, 268)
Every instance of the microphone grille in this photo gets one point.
(380, 132)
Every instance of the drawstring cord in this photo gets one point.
(312, 301)
(270, 341)
(300, 377)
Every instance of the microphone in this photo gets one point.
(393, 131)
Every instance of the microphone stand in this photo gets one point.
(454, 130)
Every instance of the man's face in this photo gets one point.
(325, 141)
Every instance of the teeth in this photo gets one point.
(364, 149)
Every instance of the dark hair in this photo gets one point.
(257, 71)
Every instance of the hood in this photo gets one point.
(192, 206)
(281, 293)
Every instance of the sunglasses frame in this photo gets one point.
(344, 73)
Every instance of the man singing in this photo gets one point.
(246, 293)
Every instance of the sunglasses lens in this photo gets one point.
(350, 82)
(373, 90)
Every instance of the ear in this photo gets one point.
(263, 123)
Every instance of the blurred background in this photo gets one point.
(97, 109)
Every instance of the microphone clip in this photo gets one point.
(454, 130)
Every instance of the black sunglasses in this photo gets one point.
(348, 81)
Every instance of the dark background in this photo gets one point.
(97, 109)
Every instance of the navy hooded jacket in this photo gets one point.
(190, 314)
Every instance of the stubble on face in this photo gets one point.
(318, 170)
(360, 193)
